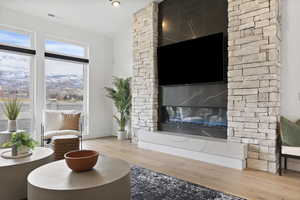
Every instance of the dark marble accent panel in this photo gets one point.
(197, 95)
(181, 20)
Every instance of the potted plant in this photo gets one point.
(11, 110)
(22, 142)
(121, 96)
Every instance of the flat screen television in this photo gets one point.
(199, 60)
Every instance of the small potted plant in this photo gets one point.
(22, 142)
(12, 109)
(121, 95)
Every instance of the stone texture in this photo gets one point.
(253, 76)
(144, 83)
(254, 79)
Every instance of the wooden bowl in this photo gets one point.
(82, 160)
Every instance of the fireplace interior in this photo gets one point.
(195, 115)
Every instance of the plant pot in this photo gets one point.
(23, 150)
(121, 135)
(12, 125)
(128, 129)
(14, 150)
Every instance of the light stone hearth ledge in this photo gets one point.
(211, 150)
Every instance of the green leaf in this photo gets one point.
(21, 139)
(12, 108)
(121, 96)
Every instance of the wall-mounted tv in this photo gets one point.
(199, 60)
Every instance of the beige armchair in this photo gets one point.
(54, 124)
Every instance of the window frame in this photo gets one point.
(23, 51)
(66, 58)
(49, 55)
(17, 50)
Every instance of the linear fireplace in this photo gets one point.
(199, 109)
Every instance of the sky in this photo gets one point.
(16, 39)
(14, 62)
(55, 67)
(64, 48)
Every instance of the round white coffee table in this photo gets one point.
(109, 180)
(14, 172)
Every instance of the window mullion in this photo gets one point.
(66, 58)
(17, 49)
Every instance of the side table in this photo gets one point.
(14, 172)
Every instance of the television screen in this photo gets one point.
(195, 61)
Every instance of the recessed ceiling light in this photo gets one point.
(115, 3)
(51, 15)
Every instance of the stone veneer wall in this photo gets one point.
(254, 79)
(253, 76)
(145, 86)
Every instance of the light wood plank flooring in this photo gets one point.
(250, 184)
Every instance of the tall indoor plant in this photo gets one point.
(12, 109)
(121, 96)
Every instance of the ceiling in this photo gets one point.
(93, 15)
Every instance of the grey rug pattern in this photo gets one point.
(150, 185)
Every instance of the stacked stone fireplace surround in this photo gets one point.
(253, 76)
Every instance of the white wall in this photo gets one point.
(290, 73)
(290, 79)
(123, 58)
(100, 67)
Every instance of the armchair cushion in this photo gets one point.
(295, 151)
(290, 133)
(70, 121)
(50, 134)
(52, 119)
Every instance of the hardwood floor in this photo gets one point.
(249, 184)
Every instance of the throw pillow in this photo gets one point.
(290, 132)
(70, 121)
(52, 120)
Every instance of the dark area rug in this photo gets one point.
(150, 185)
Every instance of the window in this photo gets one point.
(15, 81)
(15, 39)
(16, 74)
(66, 77)
(65, 48)
(64, 85)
